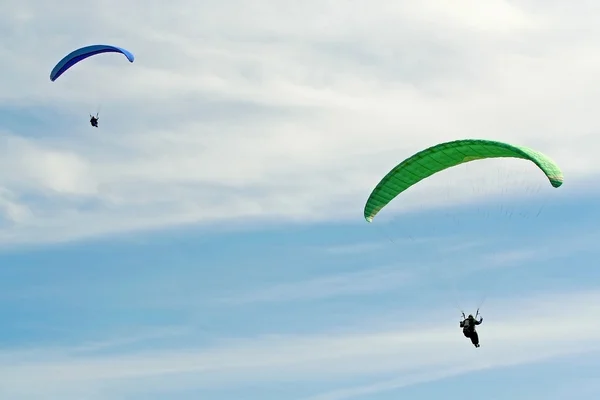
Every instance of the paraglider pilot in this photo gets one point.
(468, 325)
(94, 120)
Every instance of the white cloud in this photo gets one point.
(12, 210)
(447, 244)
(352, 283)
(294, 113)
(355, 248)
(378, 280)
(524, 331)
(546, 248)
(512, 256)
(128, 338)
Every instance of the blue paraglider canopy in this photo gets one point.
(81, 54)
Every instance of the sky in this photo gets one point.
(207, 241)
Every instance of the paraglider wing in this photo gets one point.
(446, 155)
(81, 54)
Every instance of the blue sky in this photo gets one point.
(207, 241)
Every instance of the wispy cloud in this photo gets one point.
(464, 245)
(480, 256)
(392, 384)
(529, 335)
(362, 391)
(448, 243)
(510, 257)
(385, 242)
(356, 248)
(545, 248)
(353, 283)
(125, 339)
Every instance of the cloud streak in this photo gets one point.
(530, 335)
(354, 283)
(478, 255)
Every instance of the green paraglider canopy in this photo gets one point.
(445, 155)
